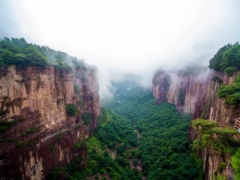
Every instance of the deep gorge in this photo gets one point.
(53, 127)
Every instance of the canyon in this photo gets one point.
(40, 135)
(49, 109)
(195, 92)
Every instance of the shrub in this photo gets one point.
(230, 92)
(220, 139)
(72, 109)
(62, 66)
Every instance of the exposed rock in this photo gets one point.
(196, 93)
(36, 132)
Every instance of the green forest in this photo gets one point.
(227, 59)
(22, 54)
(136, 139)
(222, 139)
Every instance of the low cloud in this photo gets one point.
(123, 37)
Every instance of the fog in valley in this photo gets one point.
(126, 37)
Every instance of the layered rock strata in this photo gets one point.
(37, 134)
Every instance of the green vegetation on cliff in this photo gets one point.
(227, 59)
(220, 139)
(236, 163)
(231, 93)
(137, 139)
(72, 109)
(109, 152)
(163, 149)
(18, 52)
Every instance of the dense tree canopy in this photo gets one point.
(18, 52)
(109, 152)
(138, 140)
(164, 146)
(227, 59)
(221, 139)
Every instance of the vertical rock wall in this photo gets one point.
(36, 133)
(196, 94)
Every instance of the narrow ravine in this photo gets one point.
(139, 164)
(137, 139)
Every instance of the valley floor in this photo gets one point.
(137, 139)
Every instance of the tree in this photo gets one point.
(227, 59)
(35, 58)
(72, 109)
(236, 164)
(220, 139)
(231, 93)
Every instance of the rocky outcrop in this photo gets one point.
(196, 93)
(36, 133)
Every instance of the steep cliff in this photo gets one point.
(195, 92)
(37, 134)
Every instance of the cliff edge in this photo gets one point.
(195, 92)
(44, 111)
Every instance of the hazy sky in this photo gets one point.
(137, 36)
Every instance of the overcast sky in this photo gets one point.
(136, 36)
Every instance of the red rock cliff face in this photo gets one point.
(36, 133)
(196, 93)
